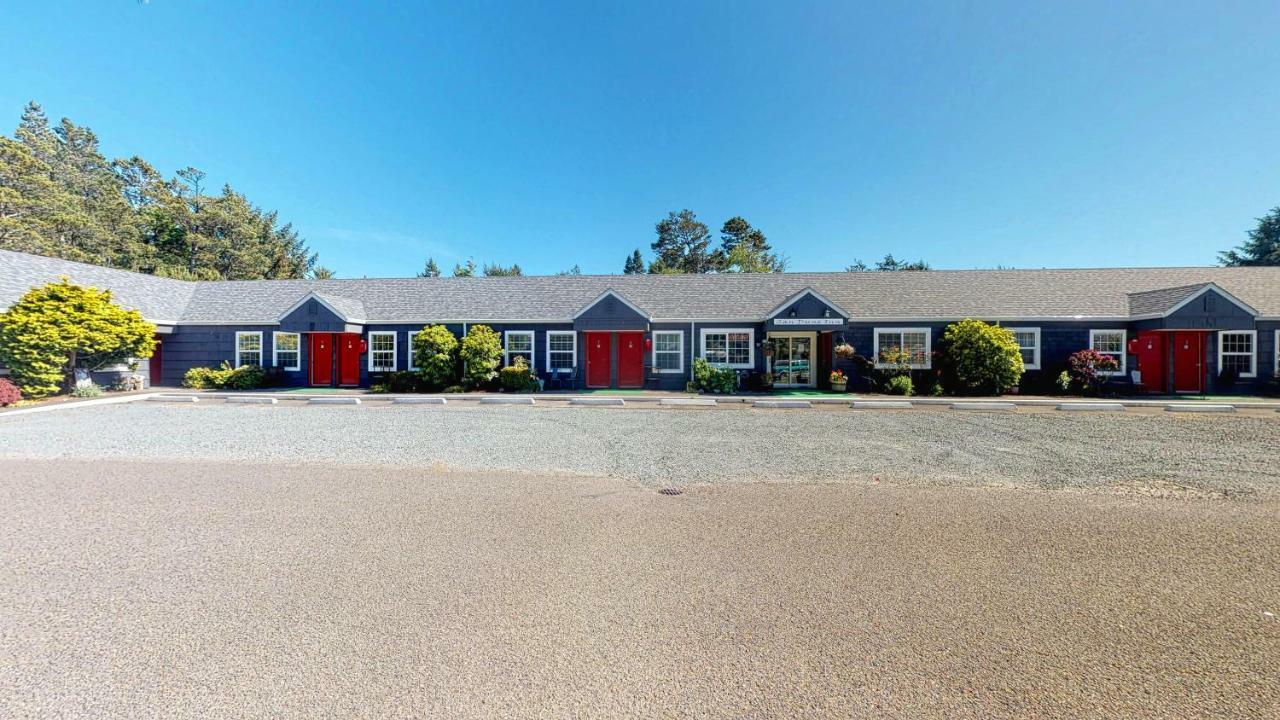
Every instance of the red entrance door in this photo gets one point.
(348, 359)
(630, 360)
(1149, 349)
(1188, 362)
(321, 359)
(156, 363)
(598, 365)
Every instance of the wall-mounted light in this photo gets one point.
(826, 313)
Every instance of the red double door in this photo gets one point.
(324, 347)
(1180, 354)
(600, 359)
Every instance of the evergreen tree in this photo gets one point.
(889, 264)
(575, 270)
(321, 272)
(468, 270)
(682, 244)
(430, 270)
(634, 264)
(61, 197)
(1262, 247)
(496, 270)
(745, 249)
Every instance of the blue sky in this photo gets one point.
(970, 134)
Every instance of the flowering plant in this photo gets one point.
(837, 376)
(845, 350)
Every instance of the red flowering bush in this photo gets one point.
(1085, 367)
(8, 393)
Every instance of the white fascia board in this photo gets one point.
(806, 291)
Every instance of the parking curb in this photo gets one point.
(881, 405)
(174, 398)
(339, 400)
(598, 401)
(506, 401)
(985, 406)
(1200, 408)
(687, 402)
(1092, 407)
(783, 404)
(419, 401)
(251, 399)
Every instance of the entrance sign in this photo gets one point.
(808, 321)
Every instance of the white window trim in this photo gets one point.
(395, 350)
(408, 343)
(1124, 349)
(573, 335)
(928, 345)
(679, 355)
(506, 338)
(751, 346)
(241, 333)
(275, 350)
(1275, 350)
(1253, 355)
(1035, 331)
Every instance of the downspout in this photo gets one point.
(464, 362)
(691, 351)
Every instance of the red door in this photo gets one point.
(156, 363)
(348, 359)
(1149, 349)
(630, 360)
(598, 366)
(1188, 362)
(321, 359)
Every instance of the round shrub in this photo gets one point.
(710, 378)
(900, 385)
(86, 389)
(481, 352)
(981, 359)
(436, 355)
(9, 394)
(518, 377)
(1085, 368)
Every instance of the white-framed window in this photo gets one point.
(517, 343)
(1029, 343)
(1238, 350)
(382, 351)
(668, 351)
(729, 347)
(411, 343)
(562, 350)
(1111, 343)
(285, 350)
(248, 348)
(918, 342)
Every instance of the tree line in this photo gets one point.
(61, 197)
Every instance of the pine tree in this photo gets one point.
(1262, 247)
(468, 270)
(745, 249)
(682, 244)
(634, 264)
(322, 273)
(575, 270)
(496, 270)
(430, 270)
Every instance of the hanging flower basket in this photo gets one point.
(845, 350)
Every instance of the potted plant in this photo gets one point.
(845, 350)
(838, 380)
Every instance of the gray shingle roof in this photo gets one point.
(1158, 302)
(941, 295)
(158, 299)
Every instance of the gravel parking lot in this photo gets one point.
(213, 560)
(1156, 453)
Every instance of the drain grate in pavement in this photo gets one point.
(670, 491)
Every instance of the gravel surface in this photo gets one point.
(209, 590)
(1153, 453)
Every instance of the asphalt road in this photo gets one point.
(198, 589)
